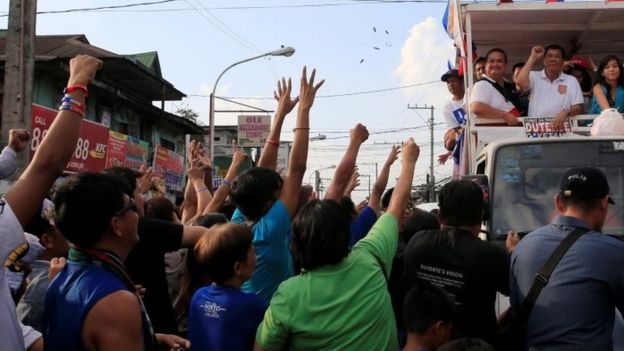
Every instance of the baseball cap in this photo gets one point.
(585, 182)
(449, 74)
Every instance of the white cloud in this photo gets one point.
(424, 58)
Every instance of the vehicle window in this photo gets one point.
(526, 180)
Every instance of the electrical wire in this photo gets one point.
(99, 8)
(365, 92)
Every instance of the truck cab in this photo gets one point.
(521, 172)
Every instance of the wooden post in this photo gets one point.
(19, 73)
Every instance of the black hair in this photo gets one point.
(347, 204)
(84, 205)
(254, 190)
(419, 220)
(461, 203)
(159, 208)
(385, 199)
(601, 79)
(210, 219)
(321, 234)
(481, 59)
(555, 47)
(517, 65)
(586, 84)
(497, 50)
(218, 250)
(129, 175)
(39, 225)
(466, 344)
(426, 305)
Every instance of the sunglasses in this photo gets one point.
(130, 206)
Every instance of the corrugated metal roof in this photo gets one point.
(130, 74)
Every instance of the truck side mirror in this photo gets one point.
(482, 181)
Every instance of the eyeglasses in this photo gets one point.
(130, 206)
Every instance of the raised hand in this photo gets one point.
(411, 151)
(18, 139)
(537, 52)
(146, 179)
(82, 69)
(393, 155)
(282, 95)
(308, 90)
(239, 157)
(359, 133)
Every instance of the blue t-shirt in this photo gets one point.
(575, 311)
(224, 318)
(618, 103)
(270, 240)
(362, 225)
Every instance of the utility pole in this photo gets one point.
(431, 179)
(19, 73)
(317, 182)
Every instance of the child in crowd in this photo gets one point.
(221, 317)
(427, 316)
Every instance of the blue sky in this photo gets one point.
(332, 39)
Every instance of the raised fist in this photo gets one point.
(359, 133)
(410, 151)
(82, 69)
(537, 52)
(18, 139)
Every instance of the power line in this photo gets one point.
(120, 8)
(85, 9)
(232, 36)
(331, 95)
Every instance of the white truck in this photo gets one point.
(521, 173)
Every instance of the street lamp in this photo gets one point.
(283, 51)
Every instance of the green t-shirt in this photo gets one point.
(338, 307)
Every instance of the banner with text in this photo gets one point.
(253, 131)
(90, 153)
(126, 151)
(169, 166)
(542, 127)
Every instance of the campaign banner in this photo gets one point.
(126, 151)
(90, 153)
(116, 153)
(169, 166)
(542, 127)
(253, 131)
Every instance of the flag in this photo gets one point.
(452, 24)
(548, 1)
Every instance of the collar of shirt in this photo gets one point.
(559, 78)
(568, 221)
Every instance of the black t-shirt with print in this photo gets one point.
(470, 270)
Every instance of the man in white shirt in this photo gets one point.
(492, 96)
(553, 93)
(24, 198)
(454, 115)
(8, 157)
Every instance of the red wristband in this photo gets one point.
(273, 142)
(72, 88)
(73, 108)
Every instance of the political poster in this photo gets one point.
(169, 166)
(253, 131)
(90, 153)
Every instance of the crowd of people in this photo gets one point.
(104, 261)
(561, 89)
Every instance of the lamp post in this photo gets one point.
(283, 51)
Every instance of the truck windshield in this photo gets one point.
(526, 179)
